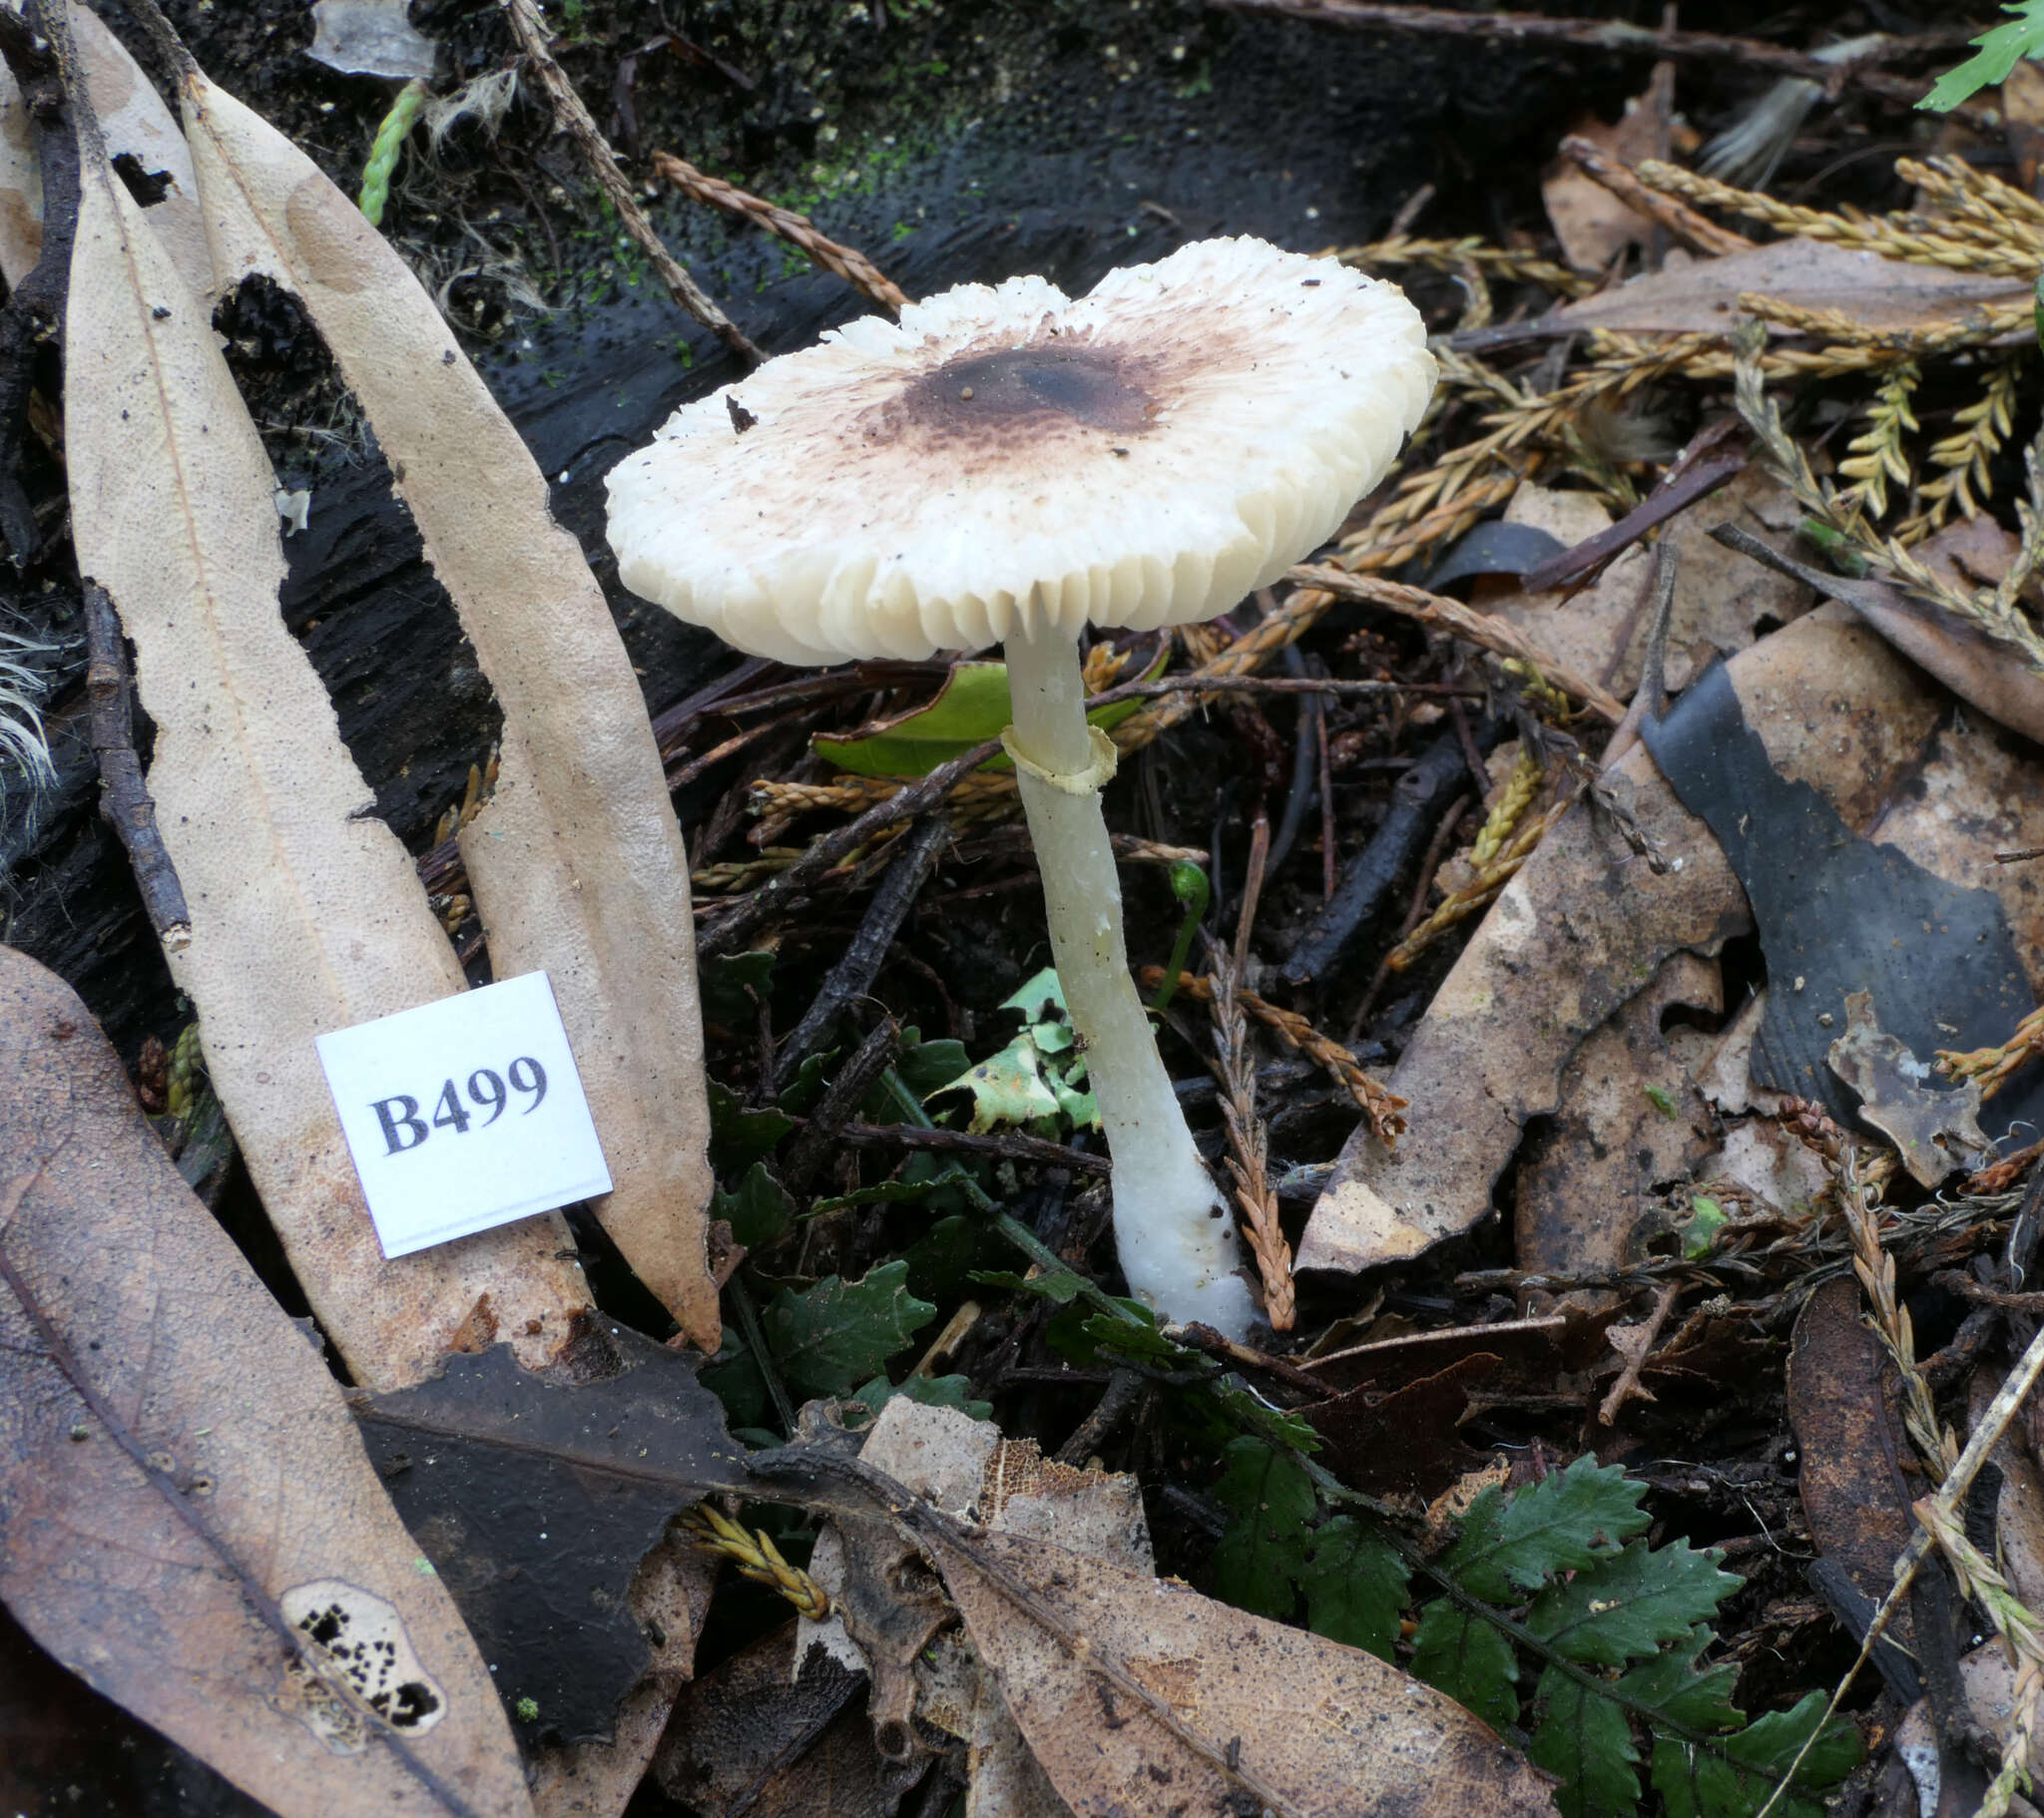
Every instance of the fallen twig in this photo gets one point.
(857, 1077)
(902, 804)
(575, 120)
(1617, 35)
(1695, 231)
(1031, 1151)
(1485, 630)
(798, 230)
(123, 796)
(33, 316)
(853, 974)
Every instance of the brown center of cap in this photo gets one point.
(1016, 388)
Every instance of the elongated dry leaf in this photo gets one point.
(135, 123)
(577, 861)
(1875, 292)
(1313, 1728)
(184, 1501)
(306, 915)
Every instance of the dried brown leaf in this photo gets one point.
(1936, 1130)
(1626, 1121)
(179, 1480)
(134, 121)
(1592, 225)
(1844, 1404)
(576, 861)
(307, 914)
(1588, 923)
(1703, 294)
(1311, 1728)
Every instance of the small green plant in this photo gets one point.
(1554, 1572)
(2001, 48)
(1039, 1077)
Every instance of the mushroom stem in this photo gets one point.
(1173, 1232)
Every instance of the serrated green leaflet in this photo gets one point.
(1560, 1524)
(2001, 48)
(1630, 1603)
(1262, 1556)
(1464, 1656)
(931, 1391)
(1354, 1588)
(759, 1211)
(837, 1334)
(1703, 1783)
(1599, 1601)
(1586, 1742)
(737, 1136)
(972, 707)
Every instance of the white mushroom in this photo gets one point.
(1009, 465)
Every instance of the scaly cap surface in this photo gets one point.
(1144, 456)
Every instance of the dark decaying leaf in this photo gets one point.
(1845, 1406)
(1839, 913)
(67, 1749)
(759, 1739)
(1405, 1443)
(537, 1500)
(186, 1513)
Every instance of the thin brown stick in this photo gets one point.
(903, 804)
(575, 120)
(123, 796)
(1486, 630)
(798, 230)
(1378, 1102)
(1616, 35)
(1034, 1151)
(1695, 231)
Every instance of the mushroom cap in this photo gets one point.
(1003, 456)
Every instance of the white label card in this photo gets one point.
(464, 1114)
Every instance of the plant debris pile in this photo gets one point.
(1592, 914)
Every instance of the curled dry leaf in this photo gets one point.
(1845, 1408)
(185, 1508)
(1975, 665)
(576, 861)
(1587, 924)
(306, 915)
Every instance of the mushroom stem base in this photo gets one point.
(1173, 1232)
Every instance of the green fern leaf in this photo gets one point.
(1464, 1656)
(1703, 1783)
(2001, 48)
(833, 1337)
(1587, 1743)
(1264, 1553)
(1354, 1588)
(1629, 1603)
(1561, 1524)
